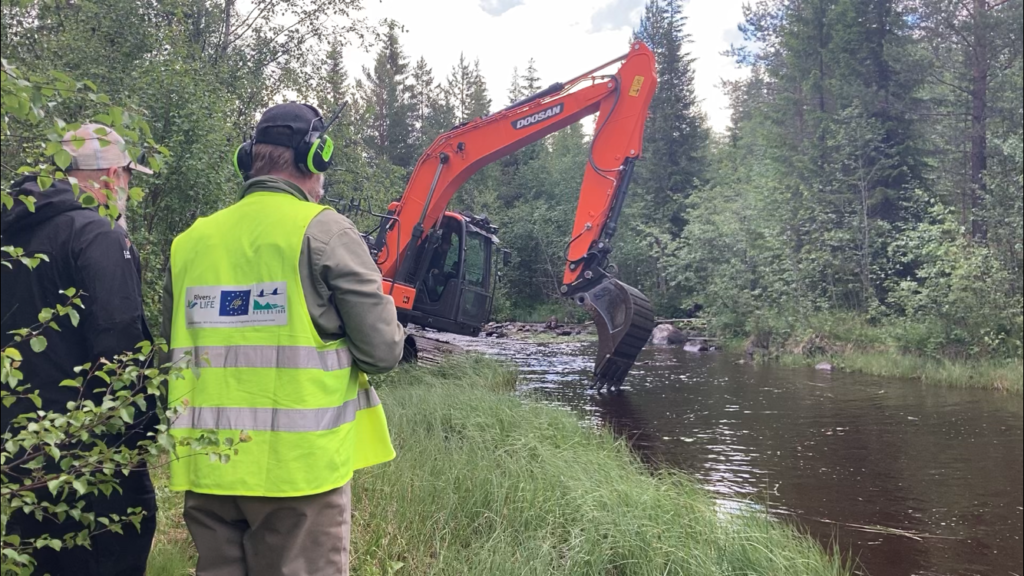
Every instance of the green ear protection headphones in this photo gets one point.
(279, 126)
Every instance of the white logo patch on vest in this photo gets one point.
(262, 304)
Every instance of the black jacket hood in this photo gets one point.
(58, 199)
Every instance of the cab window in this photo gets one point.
(475, 264)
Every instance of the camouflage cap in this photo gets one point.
(88, 153)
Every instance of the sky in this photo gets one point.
(565, 38)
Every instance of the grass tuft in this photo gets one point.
(173, 553)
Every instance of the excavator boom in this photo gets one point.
(622, 314)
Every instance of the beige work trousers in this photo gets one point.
(257, 536)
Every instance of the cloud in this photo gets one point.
(576, 35)
(733, 37)
(499, 7)
(618, 14)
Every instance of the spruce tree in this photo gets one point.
(386, 91)
(479, 101)
(513, 185)
(424, 104)
(333, 84)
(515, 90)
(676, 136)
(466, 90)
(459, 88)
(530, 81)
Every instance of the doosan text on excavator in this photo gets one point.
(417, 231)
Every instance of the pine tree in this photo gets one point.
(974, 44)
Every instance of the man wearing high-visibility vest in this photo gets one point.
(279, 303)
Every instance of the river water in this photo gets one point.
(904, 478)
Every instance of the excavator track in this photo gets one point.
(624, 319)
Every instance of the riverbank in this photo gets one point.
(488, 484)
(853, 346)
(1000, 375)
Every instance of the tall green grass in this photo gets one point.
(485, 484)
(173, 553)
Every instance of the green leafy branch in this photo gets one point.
(53, 458)
(10, 375)
(31, 104)
(69, 454)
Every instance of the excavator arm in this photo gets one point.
(622, 314)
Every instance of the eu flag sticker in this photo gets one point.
(234, 302)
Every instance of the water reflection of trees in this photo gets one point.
(619, 413)
(837, 450)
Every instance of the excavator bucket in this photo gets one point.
(624, 321)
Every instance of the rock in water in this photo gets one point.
(696, 346)
(667, 334)
(824, 367)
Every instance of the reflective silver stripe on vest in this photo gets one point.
(276, 419)
(248, 356)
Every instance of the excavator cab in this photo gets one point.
(456, 290)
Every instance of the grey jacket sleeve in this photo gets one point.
(348, 273)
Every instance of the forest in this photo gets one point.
(868, 188)
(865, 206)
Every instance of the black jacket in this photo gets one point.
(86, 253)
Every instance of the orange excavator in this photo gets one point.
(439, 266)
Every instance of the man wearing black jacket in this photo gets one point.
(86, 253)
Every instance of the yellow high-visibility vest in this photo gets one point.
(239, 311)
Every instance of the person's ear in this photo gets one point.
(111, 178)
